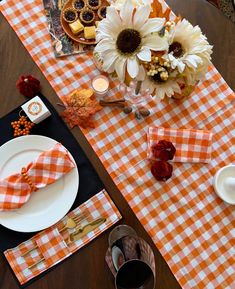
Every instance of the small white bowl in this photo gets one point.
(224, 182)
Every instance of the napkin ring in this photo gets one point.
(22, 126)
(28, 180)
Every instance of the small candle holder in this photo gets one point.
(224, 184)
(100, 85)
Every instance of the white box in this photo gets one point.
(36, 110)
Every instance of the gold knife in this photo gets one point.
(81, 232)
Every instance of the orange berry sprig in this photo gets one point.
(22, 126)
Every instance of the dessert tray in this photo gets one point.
(79, 19)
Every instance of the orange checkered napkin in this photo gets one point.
(192, 145)
(52, 245)
(50, 166)
(98, 206)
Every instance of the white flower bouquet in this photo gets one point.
(138, 41)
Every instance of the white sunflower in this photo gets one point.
(161, 89)
(136, 3)
(188, 47)
(127, 37)
(193, 76)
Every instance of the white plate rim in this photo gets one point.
(9, 219)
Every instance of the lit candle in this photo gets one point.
(100, 85)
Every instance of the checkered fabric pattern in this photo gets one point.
(53, 245)
(192, 146)
(99, 206)
(50, 166)
(147, 254)
(189, 224)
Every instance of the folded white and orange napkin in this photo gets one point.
(50, 166)
(52, 245)
(192, 146)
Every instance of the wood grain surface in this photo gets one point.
(87, 269)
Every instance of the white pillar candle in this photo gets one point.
(100, 85)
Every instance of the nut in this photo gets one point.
(144, 112)
(127, 109)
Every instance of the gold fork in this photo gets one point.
(73, 222)
(82, 231)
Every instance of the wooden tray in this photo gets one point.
(80, 36)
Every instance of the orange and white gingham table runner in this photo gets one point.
(192, 145)
(192, 228)
(53, 245)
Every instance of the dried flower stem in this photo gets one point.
(138, 86)
(118, 103)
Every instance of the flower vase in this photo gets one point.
(136, 99)
(186, 90)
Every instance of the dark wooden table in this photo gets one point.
(87, 269)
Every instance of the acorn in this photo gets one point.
(127, 109)
(144, 112)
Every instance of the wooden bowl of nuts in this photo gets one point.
(79, 19)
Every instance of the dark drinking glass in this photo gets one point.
(130, 259)
(134, 274)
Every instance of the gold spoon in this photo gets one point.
(71, 223)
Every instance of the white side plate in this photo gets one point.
(45, 206)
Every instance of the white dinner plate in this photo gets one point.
(45, 206)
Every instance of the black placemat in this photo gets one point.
(53, 127)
